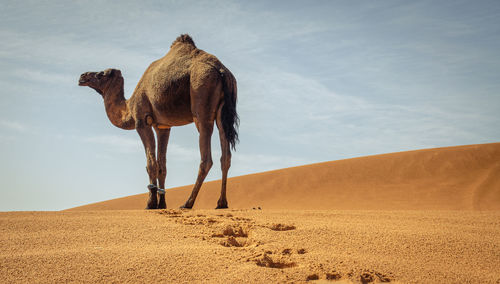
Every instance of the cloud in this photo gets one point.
(13, 125)
(115, 142)
(6, 139)
(45, 77)
(63, 49)
(183, 153)
(243, 162)
(295, 109)
(128, 145)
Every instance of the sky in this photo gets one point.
(317, 81)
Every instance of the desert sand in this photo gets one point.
(427, 216)
(451, 178)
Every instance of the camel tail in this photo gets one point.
(229, 117)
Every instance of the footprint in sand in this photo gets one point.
(334, 275)
(236, 236)
(281, 227)
(312, 277)
(170, 213)
(274, 262)
(233, 242)
(366, 277)
(195, 220)
(363, 276)
(233, 231)
(369, 276)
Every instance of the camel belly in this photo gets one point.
(173, 116)
(167, 123)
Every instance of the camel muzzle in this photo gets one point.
(85, 78)
(82, 82)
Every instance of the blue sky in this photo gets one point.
(317, 80)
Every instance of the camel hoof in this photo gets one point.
(152, 203)
(222, 204)
(150, 207)
(185, 206)
(162, 206)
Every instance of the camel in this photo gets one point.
(186, 85)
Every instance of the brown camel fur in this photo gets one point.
(186, 85)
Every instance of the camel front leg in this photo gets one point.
(148, 139)
(162, 136)
(205, 130)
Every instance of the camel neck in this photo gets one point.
(117, 107)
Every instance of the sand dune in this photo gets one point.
(452, 178)
(421, 227)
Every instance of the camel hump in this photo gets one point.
(184, 38)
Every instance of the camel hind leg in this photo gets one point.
(205, 97)
(225, 160)
(205, 129)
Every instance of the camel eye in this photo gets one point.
(100, 74)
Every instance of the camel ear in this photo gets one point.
(113, 72)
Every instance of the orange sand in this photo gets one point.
(247, 246)
(453, 178)
(429, 216)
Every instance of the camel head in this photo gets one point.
(100, 81)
